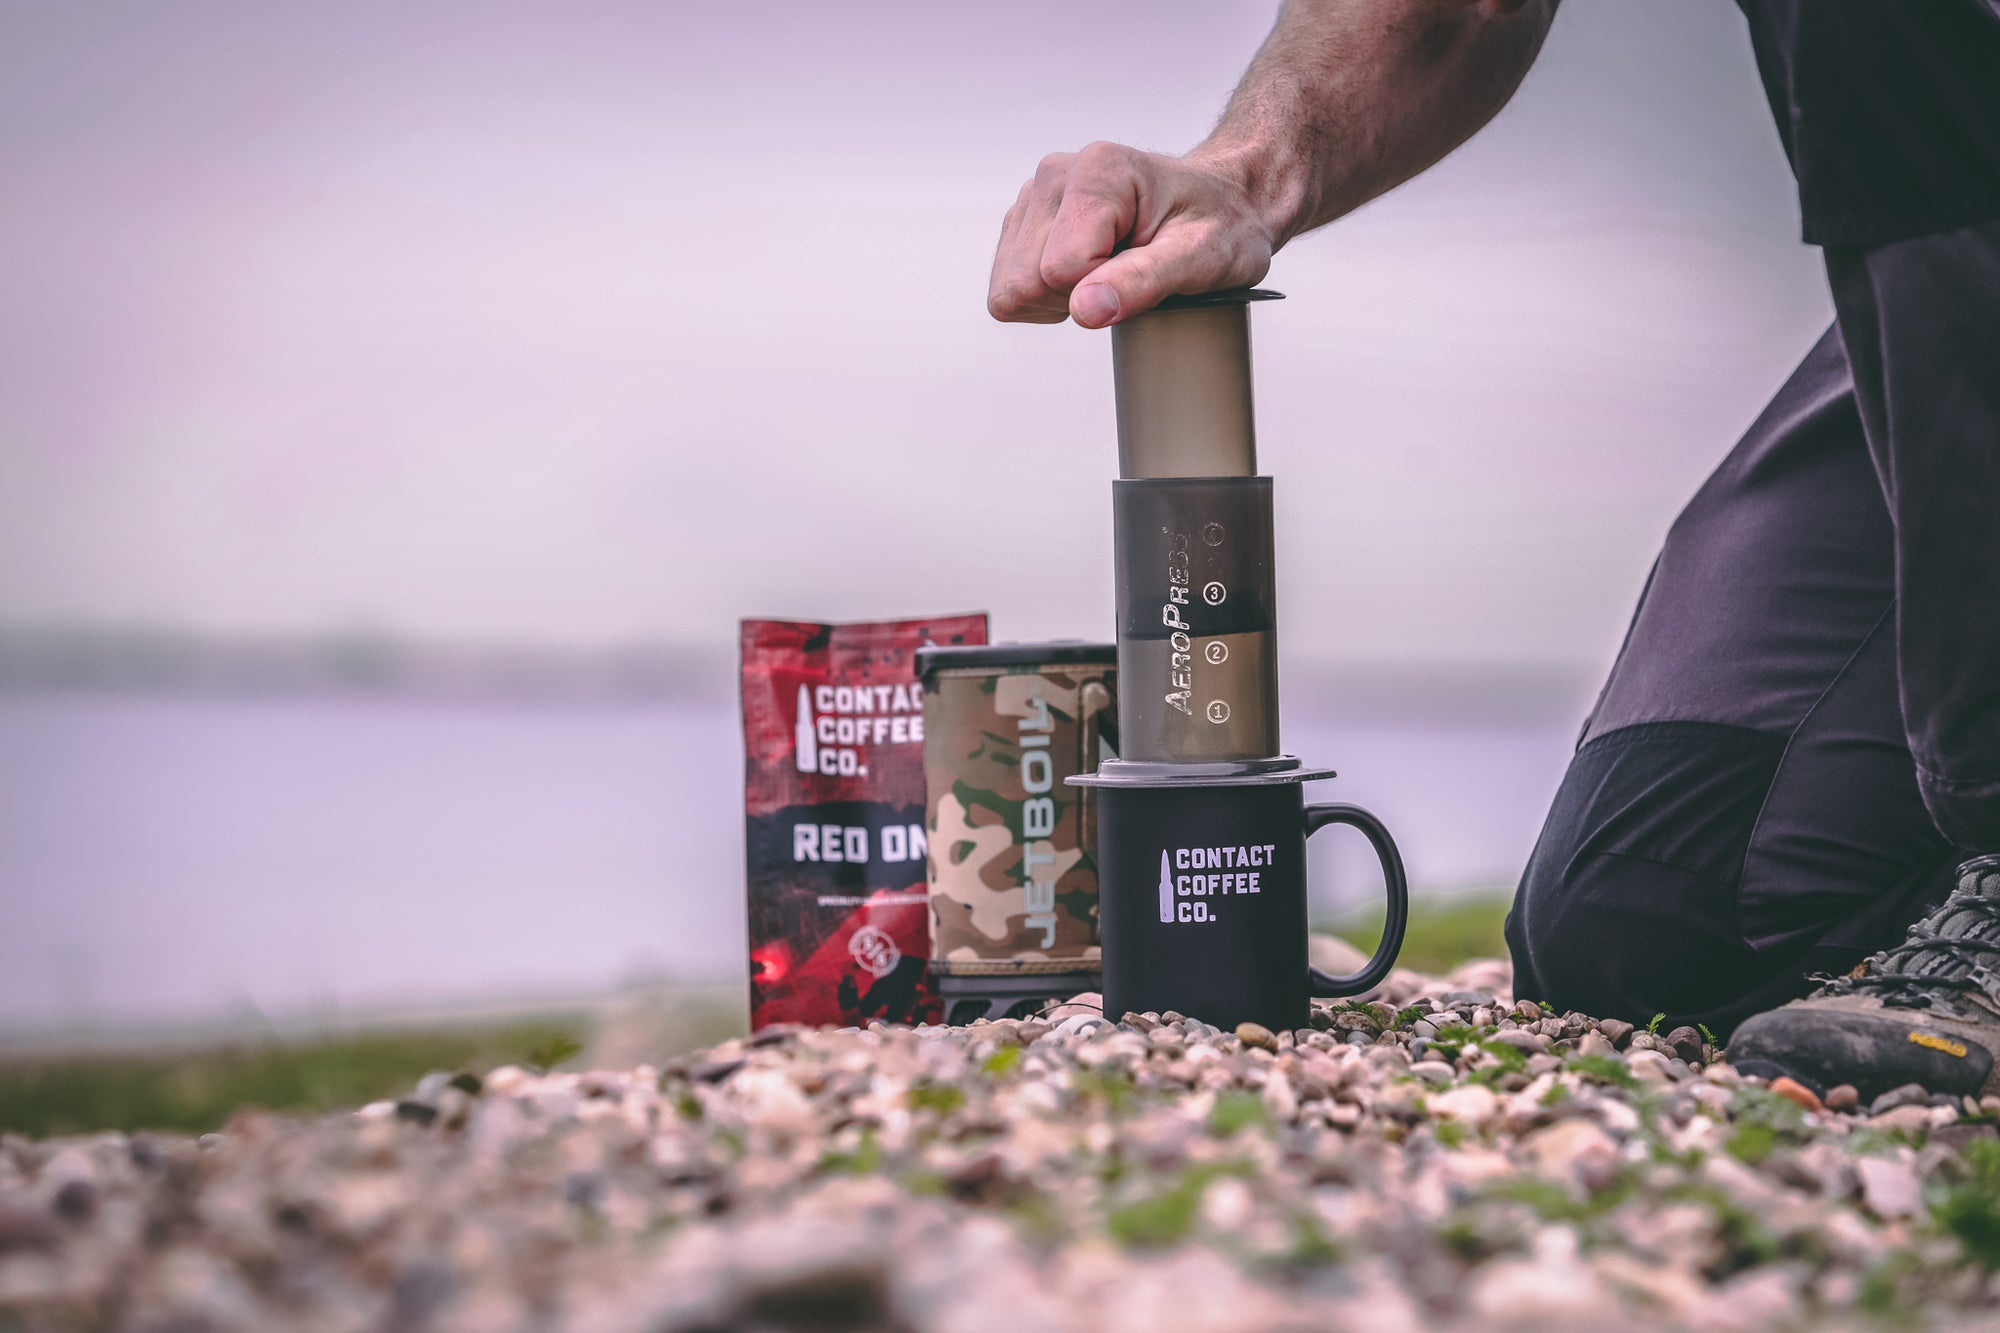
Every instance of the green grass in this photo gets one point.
(1970, 1210)
(1166, 1218)
(1443, 931)
(197, 1090)
(1236, 1109)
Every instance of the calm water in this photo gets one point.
(170, 859)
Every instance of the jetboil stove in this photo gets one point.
(1201, 819)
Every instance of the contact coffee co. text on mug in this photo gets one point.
(1183, 894)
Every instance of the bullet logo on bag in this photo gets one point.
(806, 743)
(835, 722)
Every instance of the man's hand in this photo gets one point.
(1104, 234)
(1343, 102)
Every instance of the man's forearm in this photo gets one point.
(1349, 98)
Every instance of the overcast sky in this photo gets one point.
(580, 324)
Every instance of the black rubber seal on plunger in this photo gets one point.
(1234, 296)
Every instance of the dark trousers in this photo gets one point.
(1801, 736)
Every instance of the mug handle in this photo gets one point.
(1394, 920)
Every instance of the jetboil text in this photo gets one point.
(1038, 820)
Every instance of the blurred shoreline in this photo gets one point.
(41, 659)
(145, 659)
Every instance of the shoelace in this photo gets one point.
(1885, 973)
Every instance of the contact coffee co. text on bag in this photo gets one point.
(833, 739)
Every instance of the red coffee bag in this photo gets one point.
(833, 740)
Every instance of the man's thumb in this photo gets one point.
(1134, 281)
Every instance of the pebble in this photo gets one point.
(1686, 1043)
(1256, 1034)
(1574, 1150)
(1151, 1173)
(715, 1071)
(1909, 1094)
(1843, 1098)
(1794, 1091)
(1470, 1103)
(1909, 1119)
(1889, 1186)
(1523, 1040)
(1650, 1066)
(1080, 1025)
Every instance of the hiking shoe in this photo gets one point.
(1925, 1012)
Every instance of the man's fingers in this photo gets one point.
(1100, 207)
(1016, 291)
(1086, 230)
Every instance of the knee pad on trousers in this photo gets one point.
(1623, 938)
(1628, 907)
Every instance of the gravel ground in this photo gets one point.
(1439, 1158)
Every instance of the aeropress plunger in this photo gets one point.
(1202, 822)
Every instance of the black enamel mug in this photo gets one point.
(1202, 901)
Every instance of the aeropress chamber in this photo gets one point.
(1201, 820)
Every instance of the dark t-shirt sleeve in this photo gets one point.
(1888, 109)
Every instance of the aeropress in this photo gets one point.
(1201, 820)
